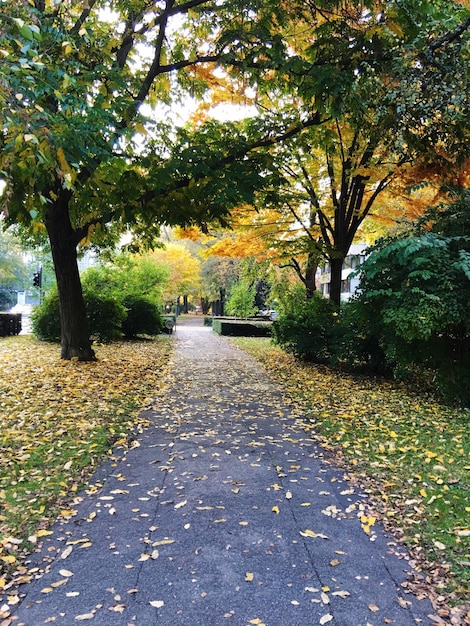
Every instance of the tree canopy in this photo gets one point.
(87, 92)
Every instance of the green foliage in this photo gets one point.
(105, 317)
(7, 299)
(415, 292)
(120, 298)
(126, 275)
(307, 332)
(242, 300)
(45, 318)
(142, 317)
(355, 344)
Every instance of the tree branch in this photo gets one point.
(83, 17)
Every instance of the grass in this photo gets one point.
(58, 419)
(411, 454)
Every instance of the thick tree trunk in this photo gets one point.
(336, 268)
(73, 321)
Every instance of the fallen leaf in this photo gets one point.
(374, 608)
(65, 572)
(326, 618)
(249, 576)
(157, 603)
(66, 552)
(311, 533)
(84, 616)
(275, 509)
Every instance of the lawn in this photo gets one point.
(410, 453)
(58, 419)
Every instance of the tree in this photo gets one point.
(183, 278)
(242, 299)
(382, 77)
(80, 160)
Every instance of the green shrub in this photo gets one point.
(355, 342)
(105, 317)
(416, 291)
(45, 318)
(309, 330)
(142, 317)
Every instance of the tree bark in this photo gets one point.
(310, 275)
(336, 269)
(75, 338)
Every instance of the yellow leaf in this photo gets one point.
(249, 576)
(311, 533)
(43, 533)
(275, 509)
(8, 559)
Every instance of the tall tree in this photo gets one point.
(78, 156)
(382, 75)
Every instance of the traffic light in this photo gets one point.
(37, 278)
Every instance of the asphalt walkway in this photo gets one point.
(223, 512)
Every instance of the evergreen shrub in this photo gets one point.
(309, 330)
(142, 317)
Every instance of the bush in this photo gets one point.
(105, 317)
(45, 318)
(416, 290)
(142, 317)
(308, 332)
(355, 343)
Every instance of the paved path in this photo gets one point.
(225, 514)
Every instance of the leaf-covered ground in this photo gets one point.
(57, 420)
(411, 454)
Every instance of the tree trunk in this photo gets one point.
(336, 268)
(75, 336)
(310, 275)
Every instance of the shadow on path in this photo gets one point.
(223, 512)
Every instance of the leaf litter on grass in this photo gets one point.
(408, 451)
(57, 421)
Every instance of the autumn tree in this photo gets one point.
(81, 154)
(381, 76)
(184, 271)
